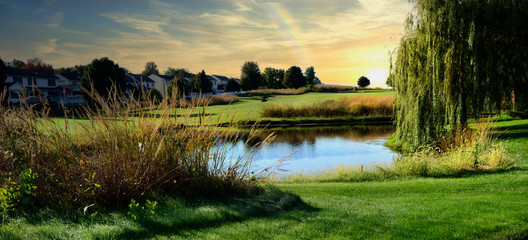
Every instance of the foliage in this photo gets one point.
(363, 82)
(140, 213)
(351, 106)
(458, 59)
(37, 64)
(250, 77)
(153, 95)
(3, 75)
(202, 83)
(232, 86)
(18, 194)
(273, 78)
(293, 78)
(150, 68)
(16, 63)
(317, 81)
(178, 71)
(102, 75)
(77, 69)
(309, 75)
(178, 86)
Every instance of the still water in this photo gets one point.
(322, 148)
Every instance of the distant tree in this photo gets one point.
(309, 75)
(37, 64)
(77, 69)
(103, 74)
(250, 77)
(363, 81)
(3, 75)
(273, 77)
(150, 68)
(152, 95)
(202, 83)
(317, 81)
(15, 63)
(175, 71)
(232, 86)
(293, 78)
(178, 85)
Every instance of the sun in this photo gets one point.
(377, 76)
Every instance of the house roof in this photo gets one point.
(221, 78)
(29, 73)
(131, 78)
(165, 77)
(71, 76)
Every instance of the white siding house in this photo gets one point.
(31, 86)
(161, 82)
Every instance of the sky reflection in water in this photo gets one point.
(323, 148)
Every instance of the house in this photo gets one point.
(218, 82)
(139, 81)
(70, 86)
(31, 86)
(161, 82)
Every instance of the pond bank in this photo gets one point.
(311, 122)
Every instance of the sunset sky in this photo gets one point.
(342, 39)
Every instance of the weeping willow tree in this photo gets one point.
(458, 59)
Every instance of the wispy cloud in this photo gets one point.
(44, 48)
(340, 38)
(55, 20)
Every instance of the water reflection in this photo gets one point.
(321, 147)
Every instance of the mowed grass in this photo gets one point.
(474, 206)
(249, 107)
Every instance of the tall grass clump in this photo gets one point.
(467, 151)
(118, 155)
(346, 106)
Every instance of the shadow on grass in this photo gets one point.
(178, 217)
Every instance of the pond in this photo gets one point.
(318, 148)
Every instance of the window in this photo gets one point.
(51, 82)
(18, 80)
(30, 81)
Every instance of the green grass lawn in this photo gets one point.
(482, 206)
(248, 107)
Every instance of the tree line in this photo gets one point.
(103, 74)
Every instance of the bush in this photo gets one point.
(232, 86)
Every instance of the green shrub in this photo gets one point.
(141, 213)
(18, 194)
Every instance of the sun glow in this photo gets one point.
(378, 76)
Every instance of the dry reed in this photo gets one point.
(349, 106)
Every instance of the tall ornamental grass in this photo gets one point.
(116, 155)
(346, 106)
